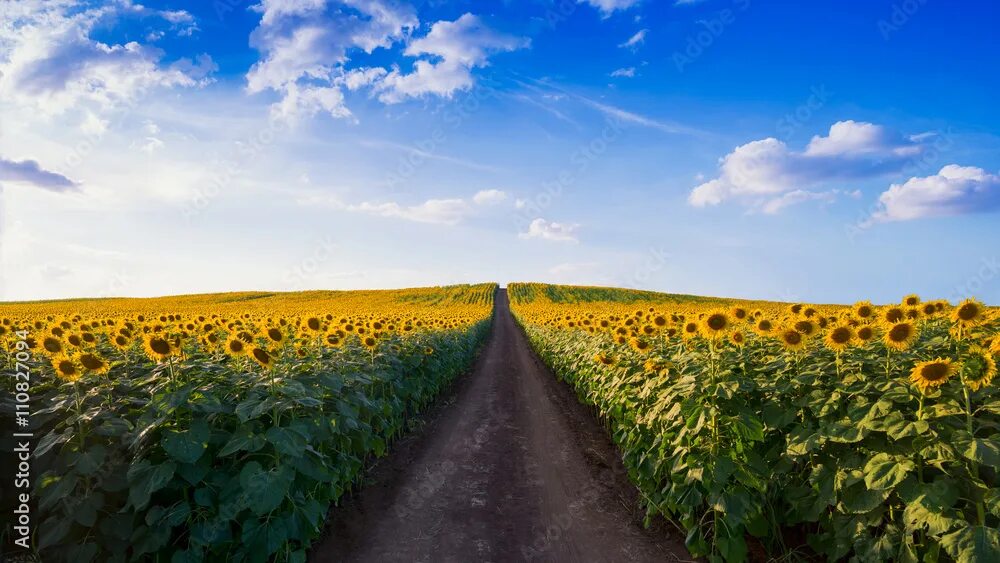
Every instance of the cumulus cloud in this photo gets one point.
(29, 172)
(550, 230)
(637, 39)
(628, 72)
(49, 62)
(760, 174)
(489, 197)
(955, 190)
(608, 7)
(454, 48)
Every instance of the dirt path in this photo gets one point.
(511, 468)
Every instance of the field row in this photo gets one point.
(872, 431)
(223, 428)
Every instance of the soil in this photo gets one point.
(510, 466)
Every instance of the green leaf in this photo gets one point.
(91, 459)
(243, 439)
(884, 471)
(187, 446)
(984, 451)
(973, 544)
(264, 489)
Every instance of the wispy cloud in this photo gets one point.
(550, 230)
(635, 41)
(381, 144)
(628, 72)
(448, 211)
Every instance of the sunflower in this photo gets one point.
(93, 363)
(791, 339)
(157, 347)
(979, 368)
(52, 345)
(738, 338)
(334, 339)
(764, 326)
(604, 359)
(369, 342)
(893, 315)
(236, 347)
(807, 328)
(865, 333)
(969, 313)
(839, 338)
(864, 310)
(932, 373)
(911, 300)
(715, 324)
(274, 335)
(900, 335)
(656, 365)
(690, 330)
(429, 351)
(639, 345)
(738, 312)
(262, 357)
(66, 368)
(995, 348)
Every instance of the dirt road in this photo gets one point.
(511, 467)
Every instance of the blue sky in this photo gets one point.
(821, 151)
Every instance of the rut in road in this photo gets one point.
(514, 468)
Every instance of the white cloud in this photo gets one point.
(459, 46)
(760, 173)
(607, 7)
(955, 190)
(489, 197)
(637, 119)
(550, 230)
(305, 45)
(624, 72)
(50, 63)
(29, 172)
(637, 39)
(449, 211)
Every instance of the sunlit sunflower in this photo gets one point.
(236, 347)
(911, 300)
(93, 363)
(52, 345)
(839, 338)
(865, 333)
(791, 339)
(274, 335)
(157, 347)
(715, 324)
(900, 336)
(66, 368)
(893, 315)
(262, 357)
(807, 328)
(656, 365)
(969, 313)
(978, 368)
(764, 327)
(369, 342)
(604, 359)
(640, 345)
(690, 330)
(932, 373)
(864, 310)
(995, 348)
(738, 338)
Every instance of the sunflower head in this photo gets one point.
(911, 300)
(864, 310)
(901, 335)
(738, 338)
(865, 333)
(66, 368)
(791, 339)
(893, 315)
(93, 363)
(764, 326)
(640, 345)
(262, 357)
(604, 359)
(807, 328)
(715, 324)
(932, 373)
(236, 347)
(969, 313)
(157, 346)
(839, 338)
(690, 330)
(978, 368)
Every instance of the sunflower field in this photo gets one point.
(861, 433)
(222, 427)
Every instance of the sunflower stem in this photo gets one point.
(981, 505)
